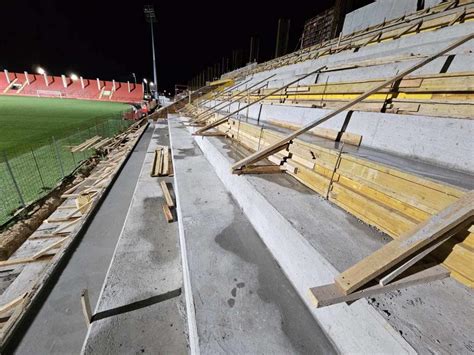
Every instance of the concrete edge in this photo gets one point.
(193, 337)
(355, 329)
(115, 249)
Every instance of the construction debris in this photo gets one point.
(86, 144)
(457, 217)
(43, 245)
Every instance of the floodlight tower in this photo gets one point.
(150, 16)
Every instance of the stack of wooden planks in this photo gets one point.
(162, 164)
(436, 95)
(385, 197)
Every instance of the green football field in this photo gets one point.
(30, 122)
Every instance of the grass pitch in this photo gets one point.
(30, 122)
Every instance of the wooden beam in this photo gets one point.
(327, 295)
(221, 94)
(264, 152)
(225, 91)
(246, 91)
(226, 118)
(451, 219)
(48, 248)
(261, 169)
(167, 213)
(86, 306)
(13, 303)
(166, 194)
(384, 281)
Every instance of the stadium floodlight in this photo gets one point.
(41, 71)
(150, 16)
(74, 77)
(145, 81)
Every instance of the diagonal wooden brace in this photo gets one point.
(226, 118)
(255, 157)
(273, 151)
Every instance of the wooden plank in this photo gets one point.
(264, 153)
(156, 163)
(406, 265)
(166, 194)
(45, 250)
(167, 213)
(86, 306)
(327, 295)
(166, 159)
(261, 169)
(225, 118)
(12, 304)
(455, 215)
(61, 229)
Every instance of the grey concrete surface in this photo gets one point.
(146, 265)
(433, 318)
(377, 12)
(59, 327)
(243, 302)
(414, 166)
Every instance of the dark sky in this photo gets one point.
(110, 39)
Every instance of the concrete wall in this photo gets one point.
(377, 12)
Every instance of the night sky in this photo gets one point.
(110, 39)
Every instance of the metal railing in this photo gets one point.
(28, 176)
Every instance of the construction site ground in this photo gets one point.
(232, 272)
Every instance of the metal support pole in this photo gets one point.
(154, 60)
(37, 168)
(259, 113)
(17, 188)
(73, 157)
(58, 156)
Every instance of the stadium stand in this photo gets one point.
(27, 84)
(413, 137)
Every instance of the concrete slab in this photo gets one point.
(239, 298)
(146, 265)
(275, 202)
(58, 327)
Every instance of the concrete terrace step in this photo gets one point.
(131, 314)
(238, 299)
(313, 240)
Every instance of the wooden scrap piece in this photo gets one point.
(166, 194)
(13, 303)
(454, 218)
(86, 306)
(43, 252)
(166, 158)
(62, 228)
(260, 169)
(327, 295)
(156, 163)
(385, 280)
(167, 213)
(83, 203)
